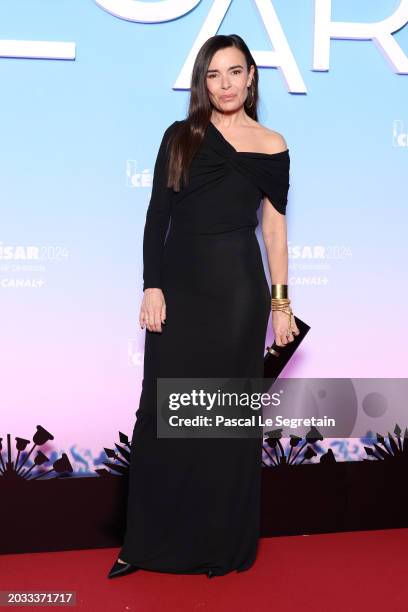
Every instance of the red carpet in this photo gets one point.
(347, 572)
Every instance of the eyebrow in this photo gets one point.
(230, 68)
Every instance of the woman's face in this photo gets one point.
(228, 79)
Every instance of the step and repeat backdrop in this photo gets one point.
(87, 89)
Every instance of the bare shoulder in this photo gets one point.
(273, 142)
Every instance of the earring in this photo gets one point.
(250, 97)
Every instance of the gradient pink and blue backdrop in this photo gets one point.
(78, 144)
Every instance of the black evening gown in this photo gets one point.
(194, 503)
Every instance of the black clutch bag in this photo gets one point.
(278, 356)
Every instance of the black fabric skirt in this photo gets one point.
(194, 503)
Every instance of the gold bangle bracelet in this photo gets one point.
(285, 307)
(279, 291)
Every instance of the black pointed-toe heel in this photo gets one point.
(121, 569)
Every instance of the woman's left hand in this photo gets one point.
(281, 326)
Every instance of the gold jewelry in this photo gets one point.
(282, 304)
(280, 291)
(250, 99)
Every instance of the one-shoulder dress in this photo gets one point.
(194, 503)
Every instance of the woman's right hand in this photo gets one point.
(153, 309)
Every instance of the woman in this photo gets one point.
(193, 503)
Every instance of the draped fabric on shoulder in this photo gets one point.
(157, 216)
(270, 172)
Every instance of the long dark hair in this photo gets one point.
(189, 134)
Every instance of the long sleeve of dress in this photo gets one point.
(157, 217)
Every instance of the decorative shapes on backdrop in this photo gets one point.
(121, 457)
(278, 457)
(394, 450)
(14, 469)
